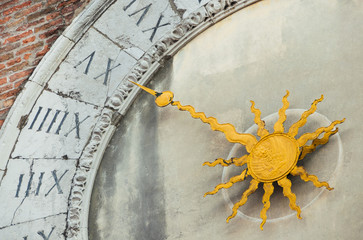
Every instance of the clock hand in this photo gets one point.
(165, 98)
(162, 99)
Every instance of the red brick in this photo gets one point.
(5, 19)
(14, 68)
(51, 2)
(9, 102)
(1, 67)
(43, 51)
(18, 22)
(69, 9)
(26, 26)
(69, 18)
(9, 47)
(52, 16)
(26, 56)
(3, 112)
(49, 33)
(48, 25)
(6, 57)
(29, 39)
(51, 40)
(6, 87)
(22, 74)
(29, 48)
(1, 122)
(13, 61)
(2, 29)
(66, 3)
(8, 4)
(41, 13)
(4, 34)
(3, 80)
(28, 11)
(9, 94)
(18, 84)
(16, 8)
(18, 37)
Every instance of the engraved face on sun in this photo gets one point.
(273, 157)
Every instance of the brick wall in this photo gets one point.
(27, 31)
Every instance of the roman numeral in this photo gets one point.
(42, 234)
(88, 64)
(54, 120)
(154, 29)
(144, 9)
(56, 180)
(45, 118)
(39, 184)
(108, 71)
(78, 123)
(106, 74)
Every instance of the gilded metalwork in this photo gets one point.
(271, 158)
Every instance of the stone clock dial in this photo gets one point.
(86, 155)
(151, 181)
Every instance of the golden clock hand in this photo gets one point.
(165, 98)
(162, 99)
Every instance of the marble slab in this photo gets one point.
(35, 188)
(143, 22)
(57, 127)
(93, 69)
(46, 228)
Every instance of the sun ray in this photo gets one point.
(236, 161)
(310, 136)
(318, 141)
(228, 129)
(306, 177)
(279, 125)
(269, 189)
(253, 187)
(295, 127)
(262, 131)
(228, 184)
(285, 183)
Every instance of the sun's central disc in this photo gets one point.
(273, 157)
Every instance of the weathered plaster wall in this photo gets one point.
(151, 182)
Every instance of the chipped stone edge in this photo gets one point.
(124, 95)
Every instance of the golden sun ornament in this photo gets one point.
(271, 158)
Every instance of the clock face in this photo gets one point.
(151, 182)
(84, 157)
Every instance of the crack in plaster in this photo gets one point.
(35, 219)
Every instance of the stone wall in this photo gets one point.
(27, 31)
